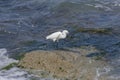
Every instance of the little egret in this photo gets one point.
(57, 35)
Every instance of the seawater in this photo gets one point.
(24, 24)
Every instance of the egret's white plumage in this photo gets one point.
(57, 35)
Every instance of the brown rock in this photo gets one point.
(72, 64)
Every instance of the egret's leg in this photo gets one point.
(48, 45)
(61, 45)
(57, 44)
(54, 45)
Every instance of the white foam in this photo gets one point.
(116, 3)
(4, 59)
(14, 74)
(106, 8)
(102, 71)
(98, 6)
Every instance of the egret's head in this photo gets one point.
(65, 31)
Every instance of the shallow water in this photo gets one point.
(25, 23)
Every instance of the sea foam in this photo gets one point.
(12, 74)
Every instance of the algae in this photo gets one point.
(95, 30)
(10, 66)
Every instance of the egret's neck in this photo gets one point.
(64, 35)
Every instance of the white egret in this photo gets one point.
(57, 35)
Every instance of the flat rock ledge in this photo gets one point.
(61, 64)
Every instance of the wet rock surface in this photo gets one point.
(65, 64)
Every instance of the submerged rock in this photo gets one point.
(64, 64)
(96, 30)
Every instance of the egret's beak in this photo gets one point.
(67, 32)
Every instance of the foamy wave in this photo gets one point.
(4, 59)
(13, 74)
(102, 71)
(100, 6)
(116, 3)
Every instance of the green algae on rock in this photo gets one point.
(9, 66)
(95, 30)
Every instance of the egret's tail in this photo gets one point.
(47, 37)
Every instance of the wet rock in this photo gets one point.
(60, 65)
(64, 64)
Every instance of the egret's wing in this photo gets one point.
(53, 35)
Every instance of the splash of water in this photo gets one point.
(12, 74)
(4, 59)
